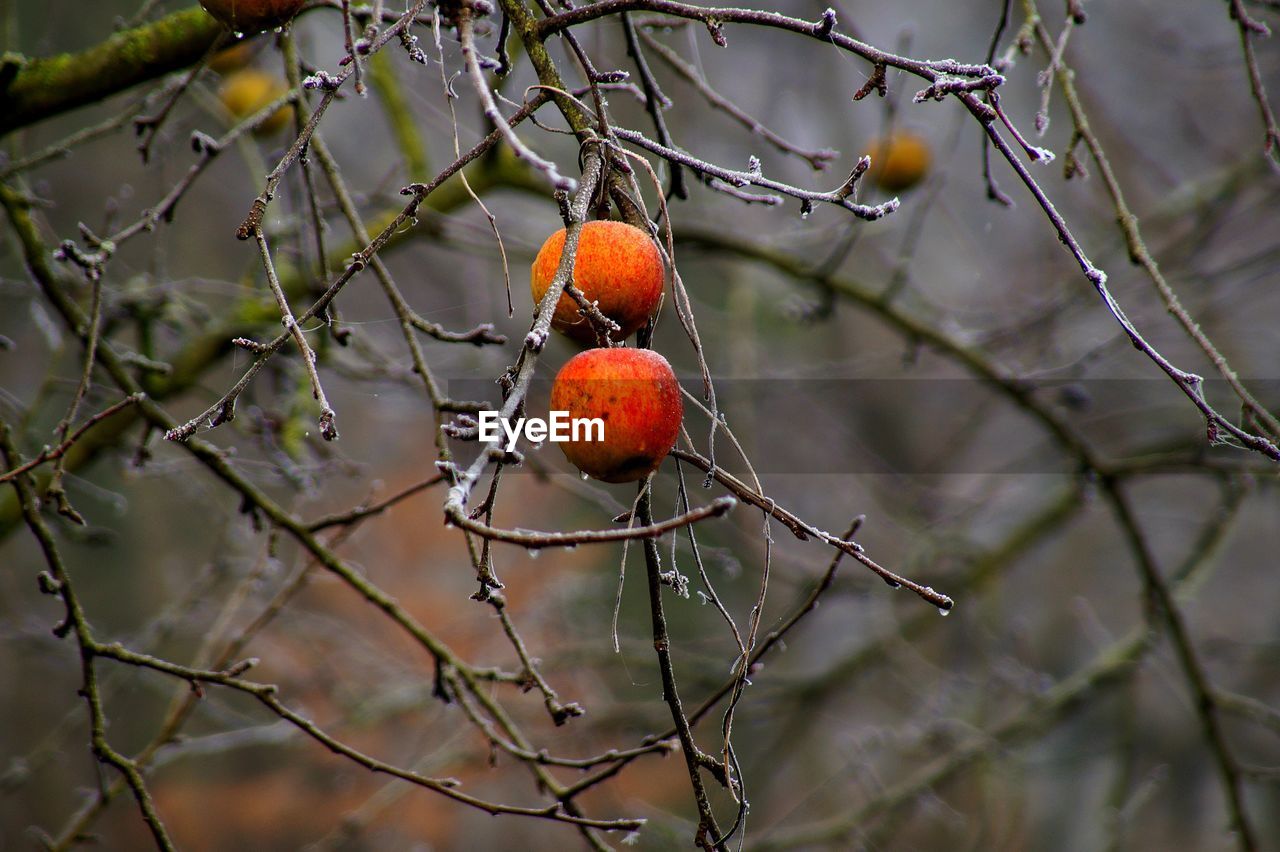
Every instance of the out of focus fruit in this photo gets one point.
(245, 92)
(236, 56)
(900, 162)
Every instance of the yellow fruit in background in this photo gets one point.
(245, 92)
(236, 56)
(900, 162)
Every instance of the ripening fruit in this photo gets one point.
(901, 163)
(245, 92)
(617, 265)
(252, 16)
(635, 393)
(236, 56)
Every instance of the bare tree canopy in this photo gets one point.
(490, 424)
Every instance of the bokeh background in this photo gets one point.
(1040, 715)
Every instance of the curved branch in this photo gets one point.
(535, 540)
(713, 17)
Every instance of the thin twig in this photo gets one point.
(65, 147)
(1189, 661)
(266, 695)
(817, 159)
(330, 85)
(224, 409)
(1189, 383)
(1141, 255)
(804, 530)
(841, 197)
(708, 835)
(55, 489)
(328, 428)
(655, 102)
(353, 47)
(58, 582)
(148, 126)
(51, 453)
(1249, 28)
(361, 512)
(532, 540)
(466, 37)
(715, 17)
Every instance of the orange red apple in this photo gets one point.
(635, 393)
(899, 162)
(617, 265)
(252, 16)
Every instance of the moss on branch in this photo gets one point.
(45, 87)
